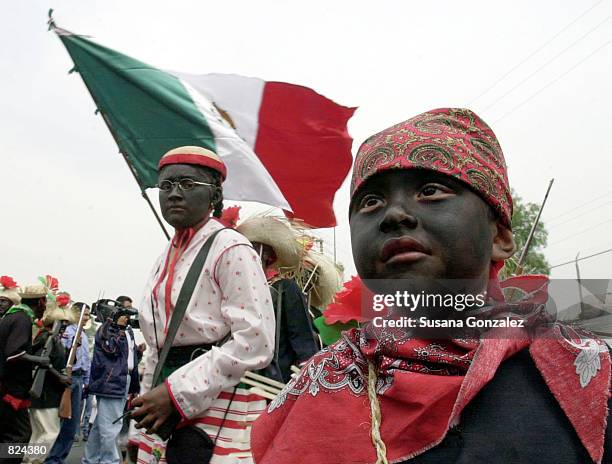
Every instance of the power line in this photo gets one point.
(553, 81)
(584, 36)
(537, 50)
(581, 232)
(577, 216)
(580, 206)
(580, 259)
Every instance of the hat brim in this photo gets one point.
(277, 235)
(328, 280)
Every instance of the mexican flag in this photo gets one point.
(284, 145)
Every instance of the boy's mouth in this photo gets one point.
(176, 208)
(403, 250)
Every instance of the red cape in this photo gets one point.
(327, 404)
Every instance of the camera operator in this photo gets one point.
(113, 376)
(125, 301)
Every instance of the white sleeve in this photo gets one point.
(150, 354)
(150, 361)
(247, 305)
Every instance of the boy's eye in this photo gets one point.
(370, 202)
(433, 191)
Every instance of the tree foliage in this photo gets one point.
(522, 220)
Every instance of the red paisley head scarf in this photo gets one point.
(452, 141)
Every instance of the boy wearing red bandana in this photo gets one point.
(431, 205)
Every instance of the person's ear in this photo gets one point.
(503, 246)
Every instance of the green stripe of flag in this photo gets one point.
(149, 111)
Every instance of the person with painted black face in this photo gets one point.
(430, 213)
(280, 251)
(9, 294)
(17, 360)
(227, 327)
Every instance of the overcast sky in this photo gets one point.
(538, 72)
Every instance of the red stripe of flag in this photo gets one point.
(303, 142)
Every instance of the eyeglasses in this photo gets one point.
(183, 184)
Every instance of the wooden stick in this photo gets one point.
(65, 407)
(295, 369)
(262, 386)
(262, 379)
(263, 393)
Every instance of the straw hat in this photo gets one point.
(199, 156)
(276, 234)
(56, 313)
(9, 290)
(59, 309)
(327, 280)
(33, 291)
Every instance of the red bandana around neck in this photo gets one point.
(178, 245)
(422, 386)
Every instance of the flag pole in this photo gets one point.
(523, 256)
(53, 27)
(519, 267)
(334, 244)
(142, 191)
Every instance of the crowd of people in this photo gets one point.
(50, 382)
(231, 308)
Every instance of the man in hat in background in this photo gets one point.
(79, 378)
(281, 253)
(227, 328)
(44, 410)
(321, 280)
(16, 362)
(9, 294)
(430, 209)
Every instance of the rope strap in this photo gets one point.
(379, 444)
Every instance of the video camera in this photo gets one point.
(110, 309)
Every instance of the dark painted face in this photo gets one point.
(266, 253)
(421, 226)
(37, 305)
(184, 209)
(5, 305)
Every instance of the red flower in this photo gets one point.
(7, 282)
(52, 283)
(348, 304)
(230, 216)
(63, 299)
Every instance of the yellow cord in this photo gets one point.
(379, 444)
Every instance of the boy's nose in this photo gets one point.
(175, 192)
(396, 217)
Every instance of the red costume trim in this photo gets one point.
(174, 401)
(16, 403)
(199, 160)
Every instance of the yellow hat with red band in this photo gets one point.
(198, 156)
